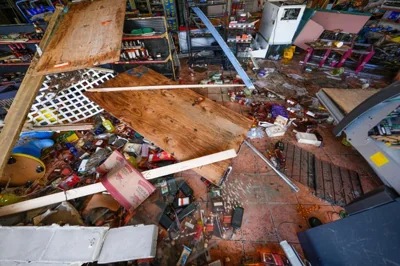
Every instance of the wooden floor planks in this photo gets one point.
(334, 184)
(89, 34)
(173, 120)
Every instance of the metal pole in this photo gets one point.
(282, 175)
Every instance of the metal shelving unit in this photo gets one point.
(200, 46)
(161, 42)
(4, 45)
(156, 8)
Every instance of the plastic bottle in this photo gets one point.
(107, 124)
(8, 198)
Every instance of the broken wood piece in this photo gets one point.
(29, 88)
(174, 119)
(102, 69)
(164, 87)
(83, 40)
(98, 187)
(348, 99)
(101, 200)
(62, 127)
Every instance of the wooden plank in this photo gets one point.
(289, 159)
(90, 34)
(311, 171)
(347, 185)
(355, 180)
(304, 167)
(164, 87)
(296, 170)
(22, 103)
(173, 119)
(328, 182)
(319, 180)
(346, 99)
(63, 127)
(98, 187)
(338, 186)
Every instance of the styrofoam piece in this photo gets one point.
(307, 138)
(275, 131)
(70, 105)
(51, 244)
(129, 243)
(75, 245)
(291, 254)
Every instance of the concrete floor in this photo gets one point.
(271, 208)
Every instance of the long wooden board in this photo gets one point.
(346, 99)
(90, 34)
(98, 187)
(22, 103)
(172, 120)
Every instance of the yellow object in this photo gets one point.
(345, 142)
(379, 159)
(50, 114)
(338, 44)
(289, 52)
(72, 138)
(107, 124)
(132, 160)
(24, 169)
(6, 199)
(397, 39)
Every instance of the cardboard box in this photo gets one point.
(126, 184)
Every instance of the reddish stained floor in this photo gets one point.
(271, 213)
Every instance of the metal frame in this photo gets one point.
(232, 58)
(365, 57)
(362, 119)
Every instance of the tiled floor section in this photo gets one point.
(271, 208)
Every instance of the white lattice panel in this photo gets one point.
(70, 105)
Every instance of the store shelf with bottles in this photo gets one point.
(241, 32)
(18, 43)
(147, 42)
(194, 39)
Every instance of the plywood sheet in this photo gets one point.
(346, 99)
(349, 23)
(89, 34)
(311, 31)
(172, 120)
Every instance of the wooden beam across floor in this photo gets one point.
(166, 87)
(16, 116)
(98, 187)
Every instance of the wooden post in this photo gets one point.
(27, 92)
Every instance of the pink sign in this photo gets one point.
(124, 182)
